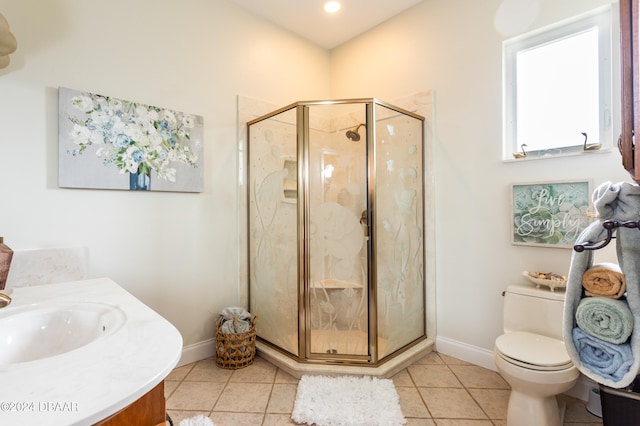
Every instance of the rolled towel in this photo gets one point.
(604, 280)
(606, 319)
(234, 320)
(604, 359)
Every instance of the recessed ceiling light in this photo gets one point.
(332, 6)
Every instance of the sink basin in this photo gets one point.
(41, 331)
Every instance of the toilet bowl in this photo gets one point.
(534, 387)
(532, 358)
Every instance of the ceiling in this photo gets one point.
(308, 19)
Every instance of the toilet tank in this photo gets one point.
(536, 310)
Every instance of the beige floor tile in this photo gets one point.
(494, 402)
(259, 372)
(433, 376)
(402, 378)
(169, 388)
(444, 403)
(277, 420)
(449, 360)
(195, 396)
(411, 402)
(420, 422)
(473, 376)
(283, 396)
(576, 411)
(461, 422)
(180, 372)
(430, 358)
(284, 377)
(207, 370)
(244, 397)
(236, 419)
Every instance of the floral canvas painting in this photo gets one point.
(110, 143)
(551, 214)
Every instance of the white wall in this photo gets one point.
(453, 48)
(177, 252)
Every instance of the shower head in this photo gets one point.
(353, 135)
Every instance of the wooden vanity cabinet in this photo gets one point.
(630, 79)
(149, 409)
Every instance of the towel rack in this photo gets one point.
(609, 225)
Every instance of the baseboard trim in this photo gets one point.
(197, 351)
(466, 352)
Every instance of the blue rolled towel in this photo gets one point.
(603, 358)
(607, 319)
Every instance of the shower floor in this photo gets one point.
(342, 342)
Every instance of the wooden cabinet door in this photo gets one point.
(149, 409)
(630, 67)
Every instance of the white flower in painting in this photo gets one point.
(169, 117)
(98, 119)
(153, 115)
(96, 138)
(116, 104)
(143, 140)
(80, 135)
(142, 113)
(155, 138)
(135, 133)
(188, 121)
(168, 173)
(83, 103)
(102, 151)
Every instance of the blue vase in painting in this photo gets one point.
(139, 182)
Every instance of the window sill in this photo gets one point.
(550, 156)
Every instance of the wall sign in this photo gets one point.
(549, 214)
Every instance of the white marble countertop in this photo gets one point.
(92, 382)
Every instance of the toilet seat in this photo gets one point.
(533, 351)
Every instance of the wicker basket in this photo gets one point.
(236, 350)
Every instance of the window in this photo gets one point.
(557, 88)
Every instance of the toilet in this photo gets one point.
(531, 356)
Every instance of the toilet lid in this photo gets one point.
(534, 351)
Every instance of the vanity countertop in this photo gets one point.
(92, 382)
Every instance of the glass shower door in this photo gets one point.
(399, 247)
(337, 317)
(273, 238)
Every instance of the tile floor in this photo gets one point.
(436, 390)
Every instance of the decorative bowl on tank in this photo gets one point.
(548, 279)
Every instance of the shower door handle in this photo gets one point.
(365, 222)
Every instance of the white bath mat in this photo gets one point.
(347, 401)
(199, 420)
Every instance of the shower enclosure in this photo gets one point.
(335, 220)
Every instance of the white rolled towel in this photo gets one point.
(234, 320)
